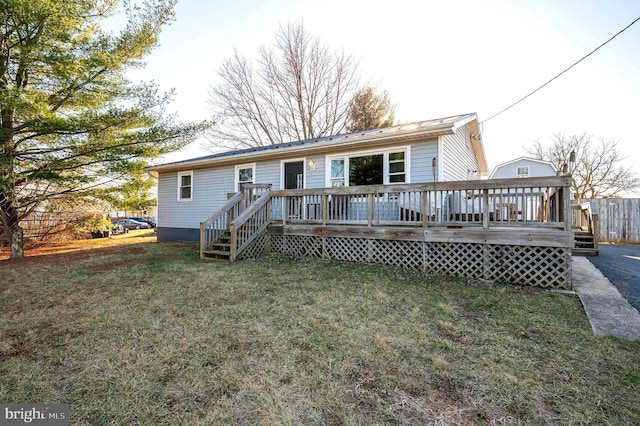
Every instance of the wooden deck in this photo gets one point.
(510, 230)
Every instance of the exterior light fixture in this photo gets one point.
(311, 164)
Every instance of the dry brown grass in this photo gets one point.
(148, 334)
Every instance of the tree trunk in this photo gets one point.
(17, 243)
(10, 222)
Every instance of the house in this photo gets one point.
(524, 167)
(410, 196)
(438, 150)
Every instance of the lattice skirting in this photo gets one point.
(548, 267)
(256, 248)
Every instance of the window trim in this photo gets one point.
(180, 175)
(236, 177)
(385, 163)
(523, 167)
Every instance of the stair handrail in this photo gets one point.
(594, 226)
(216, 224)
(245, 228)
(587, 217)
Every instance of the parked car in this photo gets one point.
(132, 224)
(118, 229)
(143, 220)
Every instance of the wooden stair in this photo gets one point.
(220, 250)
(584, 244)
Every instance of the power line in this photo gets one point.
(567, 69)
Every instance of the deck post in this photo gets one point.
(485, 208)
(234, 243)
(325, 209)
(566, 207)
(424, 199)
(370, 210)
(285, 209)
(203, 242)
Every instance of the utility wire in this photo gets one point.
(567, 69)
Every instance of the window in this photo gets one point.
(337, 172)
(185, 186)
(368, 168)
(522, 171)
(396, 167)
(244, 174)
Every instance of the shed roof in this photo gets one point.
(404, 132)
(533, 160)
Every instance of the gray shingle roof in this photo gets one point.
(403, 130)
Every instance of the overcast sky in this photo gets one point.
(437, 58)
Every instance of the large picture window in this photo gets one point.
(185, 186)
(368, 168)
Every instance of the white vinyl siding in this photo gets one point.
(458, 159)
(208, 193)
(422, 154)
(510, 170)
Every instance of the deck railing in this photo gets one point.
(530, 202)
(584, 216)
(217, 224)
(249, 225)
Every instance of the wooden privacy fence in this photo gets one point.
(619, 219)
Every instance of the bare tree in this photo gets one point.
(297, 89)
(370, 110)
(598, 170)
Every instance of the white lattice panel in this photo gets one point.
(303, 246)
(349, 249)
(458, 259)
(405, 254)
(548, 267)
(277, 243)
(256, 248)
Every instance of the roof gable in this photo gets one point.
(523, 159)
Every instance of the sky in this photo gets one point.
(436, 59)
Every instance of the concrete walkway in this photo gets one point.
(608, 312)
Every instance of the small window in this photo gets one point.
(396, 167)
(522, 171)
(185, 186)
(244, 174)
(337, 172)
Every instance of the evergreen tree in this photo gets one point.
(71, 122)
(370, 110)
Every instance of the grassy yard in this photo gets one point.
(148, 334)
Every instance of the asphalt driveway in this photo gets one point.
(621, 265)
